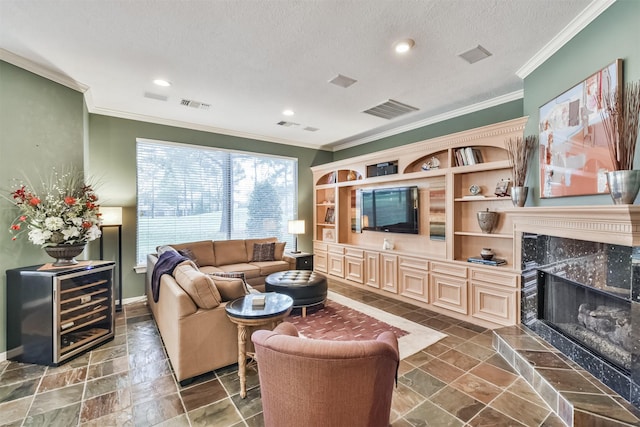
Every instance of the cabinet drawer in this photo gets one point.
(354, 253)
(335, 249)
(415, 263)
(449, 292)
(450, 269)
(494, 276)
(319, 246)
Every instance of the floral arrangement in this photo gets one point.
(64, 211)
(620, 113)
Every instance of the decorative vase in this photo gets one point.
(519, 195)
(65, 254)
(486, 253)
(487, 220)
(623, 186)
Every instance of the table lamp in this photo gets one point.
(295, 227)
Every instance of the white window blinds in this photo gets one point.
(188, 193)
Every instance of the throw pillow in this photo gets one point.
(200, 287)
(264, 252)
(189, 254)
(279, 250)
(229, 286)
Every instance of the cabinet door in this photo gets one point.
(449, 292)
(354, 269)
(494, 303)
(320, 263)
(372, 269)
(414, 282)
(389, 268)
(335, 264)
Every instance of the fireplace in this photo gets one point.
(582, 297)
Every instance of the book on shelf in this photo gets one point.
(468, 156)
(492, 261)
(468, 153)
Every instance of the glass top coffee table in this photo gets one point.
(243, 313)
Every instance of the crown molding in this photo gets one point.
(577, 24)
(519, 94)
(41, 71)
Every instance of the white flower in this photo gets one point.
(53, 223)
(77, 221)
(70, 232)
(39, 237)
(93, 232)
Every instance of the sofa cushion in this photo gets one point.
(279, 252)
(230, 285)
(189, 254)
(250, 242)
(268, 267)
(202, 250)
(250, 271)
(209, 269)
(198, 285)
(230, 252)
(263, 252)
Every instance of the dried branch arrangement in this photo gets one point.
(620, 114)
(520, 154)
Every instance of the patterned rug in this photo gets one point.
(342, 318)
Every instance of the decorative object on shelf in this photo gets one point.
(352, 176)
(433, 163)
(62, 211)
(330, 215)
(620, 117)
(295, 227)
(486, 253)
(487, 220)
(328, 235)
(572, 159)
(387, 245)
(520, 153)
(331, 178)
(502, 188)
(65, 255)
(475, 190)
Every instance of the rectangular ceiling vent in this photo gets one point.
(195, 104)
(310, 129)
(155, 96)
(390, 109)
(476, 54)
(287, 124)
(342, 81)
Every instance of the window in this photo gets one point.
(189, 193)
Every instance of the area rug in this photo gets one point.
(342, 318)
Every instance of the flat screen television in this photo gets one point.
(392, 210)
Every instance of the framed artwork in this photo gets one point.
(502, 188)
(328, 235)
(330, 216)
(574, 155)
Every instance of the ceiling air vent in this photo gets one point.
(390, 109)
(310, 129)
(342, 81)
(287, 124)
(476, 54)
(155, 96)
(195, 104)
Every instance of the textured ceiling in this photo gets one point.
(249, 60)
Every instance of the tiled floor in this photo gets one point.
(459, 381)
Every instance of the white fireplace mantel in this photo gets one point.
(618, 224)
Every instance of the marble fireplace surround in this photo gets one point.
(617, 225)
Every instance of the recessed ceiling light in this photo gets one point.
(161, 82)
(404, 46)
(288, 112)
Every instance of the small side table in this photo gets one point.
(242, 313)
(304, 261)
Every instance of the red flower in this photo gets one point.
(20, 193)
(15, 227)
(14, 238)
(34, 201)
(90, 206)
(23, 218)
(70, 200)
(86, 224)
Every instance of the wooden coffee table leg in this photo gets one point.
(242, 359)
(304, 311)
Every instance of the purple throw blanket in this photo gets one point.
(165, 265)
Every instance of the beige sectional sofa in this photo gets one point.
(190, 311)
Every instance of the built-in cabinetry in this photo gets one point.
(55, 314)
(429, 268)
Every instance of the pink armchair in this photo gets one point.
(306, 382)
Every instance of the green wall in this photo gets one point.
(499, 113)
(41, 127)
(614, 34)
(112, 159)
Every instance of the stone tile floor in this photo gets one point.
(459, 381)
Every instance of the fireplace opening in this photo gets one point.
(597, 318)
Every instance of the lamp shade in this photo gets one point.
(111, 215)
(296, 226)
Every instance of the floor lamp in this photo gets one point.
(112, 217)
(296, 227)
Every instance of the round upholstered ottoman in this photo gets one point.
(306, 287)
